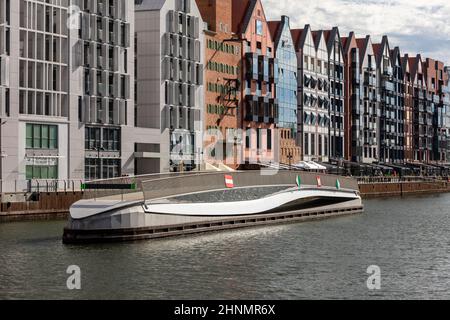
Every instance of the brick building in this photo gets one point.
(258, 104)
(223, 58)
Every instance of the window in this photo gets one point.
(248, 138)
(259, 27)
(111, 139)
(258, 139)
(110, 168)
(7, 103)
(269, 139)
(41, 136)
(306, 143)
(320, 146)
(92, 138)
(41, 172)
(91, 169)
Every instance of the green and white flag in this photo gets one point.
(299, 181)
(338, 184)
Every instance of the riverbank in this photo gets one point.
(56, 205)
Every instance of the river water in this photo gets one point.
(408, 239)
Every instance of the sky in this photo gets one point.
(416, 26)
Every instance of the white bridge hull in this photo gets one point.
(200, 203)
(250, 207)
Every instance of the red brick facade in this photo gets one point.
(222, 75)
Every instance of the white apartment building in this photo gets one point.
(337, 93)
(170, 95)
(370, 100)
(67, 91)
(314, 120)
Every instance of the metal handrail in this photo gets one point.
(40, 185)
(371, 180)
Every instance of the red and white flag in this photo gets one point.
(319, 182)
(229, 181)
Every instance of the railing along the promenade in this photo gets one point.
(372, 180)
(39, 185)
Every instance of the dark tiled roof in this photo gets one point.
(296, 36)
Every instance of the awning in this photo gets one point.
(317, 166)
(309, 165)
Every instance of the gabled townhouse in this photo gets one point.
(391, 104)
(353, 113)
(435, 79)
(421, 131)
(259, 75)
(336, 78)
(286, 90)
(409, 107)
(370, 100)
(399, 97)
(313, 97)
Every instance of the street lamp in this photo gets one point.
(200, 157)
(235, 151)
(290, 157)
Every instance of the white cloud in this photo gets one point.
(417, 26)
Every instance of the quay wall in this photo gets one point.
(53, 205)
(393, 189)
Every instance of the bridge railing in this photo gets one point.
(127, 187)
(161, 188)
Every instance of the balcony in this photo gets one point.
(436, 99)
(263, 109)
(273, 110)
(252, 66)
(251, 108)
(263, 68)
(388, 86)
(421, 95)
(369, 80)
(388, 72)
(273, 70)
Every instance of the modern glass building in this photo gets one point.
(286, 88)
